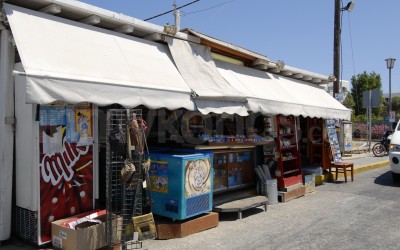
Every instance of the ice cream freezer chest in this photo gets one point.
(181, 183)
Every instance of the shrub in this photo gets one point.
(360, 130)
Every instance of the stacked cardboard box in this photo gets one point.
(85, 231)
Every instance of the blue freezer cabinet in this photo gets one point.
(181, 183)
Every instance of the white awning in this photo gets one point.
(211, 92)
(74, 62)
(272, 94)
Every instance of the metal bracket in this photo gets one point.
(10, 120)
(12, 41)
(3, 20)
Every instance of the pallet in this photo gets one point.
(292, 194)
(178, 229)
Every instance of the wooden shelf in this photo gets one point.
(289, 158)
(265, 154)
(285, 135)
(291, 171)
(196, 126)
(239, 143)
(287, 165)
(315, 147)
(288, 147)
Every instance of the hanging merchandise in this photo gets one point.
(128, 168)
(117, 140)
(146, 163)
(124, 177)
(136, 135)
(144, 224)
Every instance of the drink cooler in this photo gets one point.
(173, 202)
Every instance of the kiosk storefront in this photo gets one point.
(60, 82)
(67, 74)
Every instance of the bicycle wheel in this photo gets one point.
(378, 149)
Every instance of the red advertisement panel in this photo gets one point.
(66, 164)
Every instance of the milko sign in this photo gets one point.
(60, 165)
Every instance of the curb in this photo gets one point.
(319, 180)
(367, 167)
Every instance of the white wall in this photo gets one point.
(6, 133)
(27, 148)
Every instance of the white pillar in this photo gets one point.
(7, 56)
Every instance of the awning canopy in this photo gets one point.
(210, 90)
(272, 94)
(74, 62)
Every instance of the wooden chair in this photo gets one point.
(340, 167)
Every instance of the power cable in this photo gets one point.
(212, 7)
(351, 45)
(352, 57)
(170, 10)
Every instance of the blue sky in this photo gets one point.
(300, 33)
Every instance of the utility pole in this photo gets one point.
(336, 42)
(336, 48)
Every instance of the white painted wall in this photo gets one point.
(6, 133)
(27, 148)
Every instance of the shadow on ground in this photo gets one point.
(386, 180)
(232, 216)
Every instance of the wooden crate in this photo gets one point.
(292, 194)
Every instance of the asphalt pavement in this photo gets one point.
(364, 160)
(280, 223)
(354, 215)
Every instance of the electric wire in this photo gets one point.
(341, 57)
(352, 57)
(212, 7)
(351, 46)
(170, 10)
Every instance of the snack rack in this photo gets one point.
(123, 199)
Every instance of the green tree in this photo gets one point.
(360, 83)
(348, 102)
(396, 104)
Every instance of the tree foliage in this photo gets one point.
(348, 102)
(396, 104)
(360, 83)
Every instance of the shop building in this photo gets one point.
(70, 70)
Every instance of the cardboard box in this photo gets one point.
(86, 235)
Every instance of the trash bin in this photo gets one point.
(272, 191)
